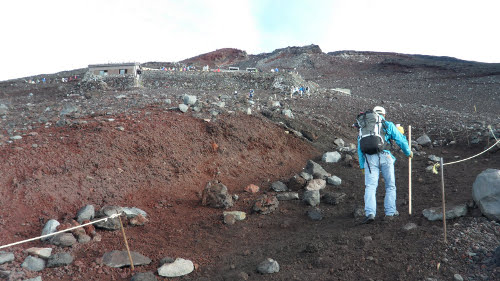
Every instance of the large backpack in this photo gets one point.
(371, 133)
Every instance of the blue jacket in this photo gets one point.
(391, 133)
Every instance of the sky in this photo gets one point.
(48, 36)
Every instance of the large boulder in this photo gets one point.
(486, 193)
(216, 195)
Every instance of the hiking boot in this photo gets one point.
(391, 217)
(369, 219)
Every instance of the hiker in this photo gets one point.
(373, 151)
(250, 95)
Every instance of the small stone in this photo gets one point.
(33, 264)
(50, 227)
(229, 219)
(279, 186)
(59, 259)
(268, 266)
(286, 196)
(85, 213)
(238, 215)
(252, 188)
(312, 197)
(316, 184)
(40, 252)
(84, 238)
(6, 257)
(138, 220)
(458, 277)
(183, 108)
(179, 267)
(409, 226)
(63, 240)
(334, 180)
(315, 214)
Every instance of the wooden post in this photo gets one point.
(444, 204)
(409, 172)
(126, 244)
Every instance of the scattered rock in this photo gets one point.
(333, 198)
(252, 188)
(238, 215)
(452, 212)
(312, 197)
(38, 278)
(334, 180)
(409, 226)
(179, 267)
(132, 212)
(138, 220)
(183, 108)
(43, 253)
(315, 214)
(279, 186)
(50, 227)
(85, 213)
(84, 238)
(121, 259)
(266, 204)
(189, 100)
(6, 257)
(33, 263)
(268, 266)
(63, 240)
(216, 195)
(339, 142)
(331, 157)
(296, 183)
(316, 184)
(424, 140)
(434, 158)
(306, 176)
(286, 196)
(316, 170)
(229, 219)
(59, 259)
(112, 223)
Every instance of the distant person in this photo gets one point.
(374, 153)
(250, 95)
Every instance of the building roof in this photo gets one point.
(114, 64)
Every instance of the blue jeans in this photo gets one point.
(380, 163)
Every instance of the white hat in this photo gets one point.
(379, 110)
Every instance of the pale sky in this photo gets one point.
(43, 37)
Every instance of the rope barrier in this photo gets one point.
(434, 168)
(58, 232)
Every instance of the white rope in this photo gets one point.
(55, 233)
(434, 169)
(472, 156)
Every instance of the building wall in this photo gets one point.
(115, 70)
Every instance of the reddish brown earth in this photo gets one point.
(162, 160)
